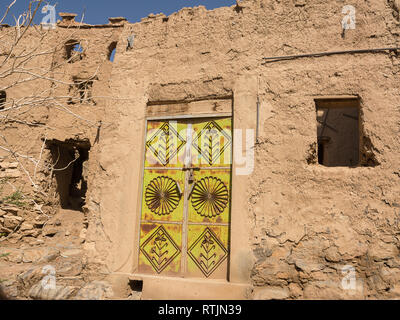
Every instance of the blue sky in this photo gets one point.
(98, 11)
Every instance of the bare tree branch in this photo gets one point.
(7, 10)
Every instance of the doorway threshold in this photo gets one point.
(175, 288)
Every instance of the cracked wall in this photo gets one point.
(305, 221)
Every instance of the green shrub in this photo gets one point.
(15, 198)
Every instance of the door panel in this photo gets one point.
(185, 213)
(161, 248)
(162, 195)
(165, 144)
(210, 196)
(207, 251)
(212, 142)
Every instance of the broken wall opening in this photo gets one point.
(136, 289)
(70, 159)
(112, 48)
(81, 91)
(73, 51)
(3, 99)
(338, 132)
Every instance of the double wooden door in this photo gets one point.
(185, 213)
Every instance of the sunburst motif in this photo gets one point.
(210, 197)
(162, 195)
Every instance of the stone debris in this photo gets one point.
(39, 292)
(8, 165)
(272, 293)
(96, 290)
(11, 209)
(12, 222)
(10, 173)
(26, 226)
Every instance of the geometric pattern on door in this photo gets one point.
(210, 197)
(162, 195)
(165, 143)
(211, 149)
(160, 249)
(207, 252)
(184, 226)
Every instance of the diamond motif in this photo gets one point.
(207, 142)
(160, 249)
(165, 143)
(208, 252)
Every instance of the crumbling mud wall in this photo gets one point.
(310, 227)
(307, 220)
(49, 158)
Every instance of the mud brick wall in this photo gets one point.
(305, 221)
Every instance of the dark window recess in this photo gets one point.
(81, 92)
(3, 99)
(338, 132)
(73, 51)
(136, 287)
(112, 48)
(69, 159)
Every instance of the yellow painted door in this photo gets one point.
(185, 218)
